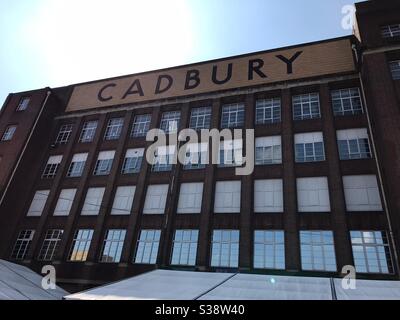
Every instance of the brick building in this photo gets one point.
(77, 193)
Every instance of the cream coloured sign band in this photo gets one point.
(261, 68)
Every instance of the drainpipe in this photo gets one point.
(385, 202)
(48, 93)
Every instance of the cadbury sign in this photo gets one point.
(256, 69)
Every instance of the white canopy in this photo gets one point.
(21, 283)
(187, 285)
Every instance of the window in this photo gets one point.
(232, 116)
(268, 196)
(88, 131)
(185, 247)
(230, 153)
(77, 165)
(313, 194)
(141, 125)
(23, 103)
(133, 161)
(268, 111)
(156, 198)
(164, 158)
(196, 156)
(50, 170)
(170, 121)
(227, 197)
(362, 193)
(8, 133)
(112, 247)
(317, 251)
(309, 147)
(391, 31)
(190, 197)
(50, 244)
(123, 200)
(269, 250)
(371, 252)
(395, 69)
(200, 118)
(64, 133)
(92, 204)
(353, 144)
(80, 245)
(38, 203)
(268, 150)
(306, 106)
(22, 244)
(225, 248)
(147, 246)
(104, 163)
(64, 203)
(114, 128)
(346, 102)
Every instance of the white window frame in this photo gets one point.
(77, 165)
(22, 244)
(51, 168)
(23, 103)
(112, 246)
(310, 198)
(88, 131)
(265, 146)
(305, 102)
(269, 245)
(233, 115)
(64, 133)
(9, 133)
(351, 94)
(123, 200)
(200, 118)
(265, 107)
(156, 194)
(170, 121)
(141, 125)
(93, 200)
(227, 201)
(114, 129)
(190, 192)
(227, 239)
(50, 244)
(148, 240)
(104, 163)
(133, 161)
(346, 138)
(64, 202)
(269, 193)
(184, 247)
(391, 30)
(230, 153)
(304, 140)
(80, 245)
(38, 203)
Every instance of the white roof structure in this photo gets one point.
(187, 285)
(20, 283)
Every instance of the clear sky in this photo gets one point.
(60, 42)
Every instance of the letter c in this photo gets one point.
(100, 94)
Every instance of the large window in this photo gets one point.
(22, 244)
(104, 163)
(64, 133)
(268, 196)
(306, 106)
(190, 197)
(196, 156)
(8, 133)
(268, 111)
(112, 246)
(268, 150)
(391, 31)
(147, 246)
(133, 161)
(92, 204)
(123, 200)
(230, 153)
(23, 103)
(81, 245)
(395, 69)
(185, 247)
(269, 249)
(64, 203)
(227, 197)
(77, 165)
(156, 198)
(353, 144)
(141, 125)
(50, 244)
(50, 170)
(114, 128)
(88, 131)
(362, 193)
(200, 118)
(38, 202)
(225, 248)
(317, 251)
(346, 102)
(313, 194)
(164, 158)
(232, 116)
(371, 252)
(170, 121)
(309, 147)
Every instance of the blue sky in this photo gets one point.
(60, 42)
